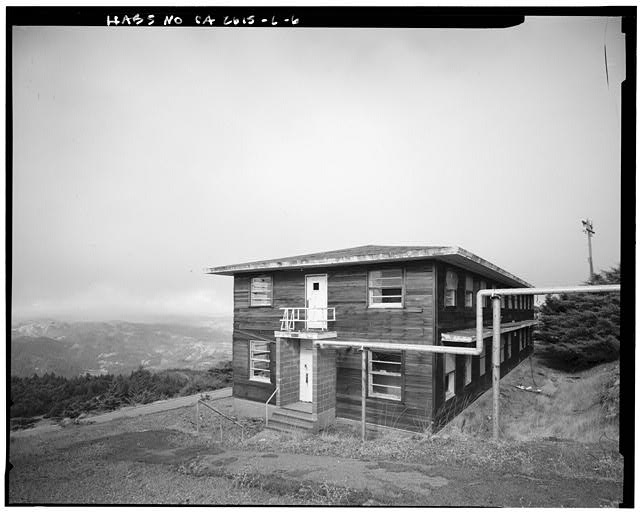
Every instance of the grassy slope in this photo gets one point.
(579, 406)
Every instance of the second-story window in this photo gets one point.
(468, 292)
(485, 299)
(386, 288)
(261, 291)
(451, 289)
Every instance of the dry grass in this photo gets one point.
(580, 406)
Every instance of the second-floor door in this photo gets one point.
(316, 287)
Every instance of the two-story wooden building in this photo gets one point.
(290, 312)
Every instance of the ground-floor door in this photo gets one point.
(306, 374)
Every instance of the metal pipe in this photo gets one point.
(495, 363)
(495, 295)
(364, 394)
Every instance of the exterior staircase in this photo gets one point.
(293, 418)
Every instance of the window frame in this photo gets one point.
(449, 378)
(454, 290)
(386, 305)
(370, 373)
(252, 376)
(270, 304)
(468, 292)
(468, 368)
(484, 286)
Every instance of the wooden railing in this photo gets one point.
(310, 318)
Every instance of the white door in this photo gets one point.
(306, 374)
(316, 287)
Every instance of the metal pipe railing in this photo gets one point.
(495, 294)
(200, 401)
(291, 316)
(266, 407)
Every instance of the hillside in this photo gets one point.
(73, 348)
(581, 406)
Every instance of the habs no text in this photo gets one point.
(200, 20)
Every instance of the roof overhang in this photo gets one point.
(453, 255)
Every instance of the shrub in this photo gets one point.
(582, 330)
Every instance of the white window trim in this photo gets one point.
(270, 304)
(448, 288)
(467, 370)
(261, 353)
(449, 378)
(450, 385)
(483, 363)
(468, 292)
(370, 372)
(386, 305)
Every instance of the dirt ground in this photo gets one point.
(158, 459)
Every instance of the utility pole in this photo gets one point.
(587, 227)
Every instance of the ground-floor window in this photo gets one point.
(449, 376)
(467, 370)
(507, 347)
(385, 374)
(260, 359)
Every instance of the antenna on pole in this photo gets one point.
(587, 227)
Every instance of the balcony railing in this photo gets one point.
(296, 319)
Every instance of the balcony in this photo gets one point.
(306, 323)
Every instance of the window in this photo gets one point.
(260, 359)
(483, 286)
(386, 288)
(385, 374)
(467, 370)
(449, 376)
(468, 292)
(451, 289)
(483, 360)
(261, 291)
(507, 347)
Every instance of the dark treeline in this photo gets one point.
(50, 395)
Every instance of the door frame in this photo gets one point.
(326, 280)
(309, 351)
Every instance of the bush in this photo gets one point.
(582, 330)
(52, 396)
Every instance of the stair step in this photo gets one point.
(298, 422)
(288, 427)
(293, 413)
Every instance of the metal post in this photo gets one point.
(364, 394)
(495, 363)
(198, 417)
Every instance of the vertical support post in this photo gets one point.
(590, 256)
(495, 363)
(198, 417)
(364, 394)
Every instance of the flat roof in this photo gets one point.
(377, 254)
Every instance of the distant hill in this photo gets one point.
(76, 348)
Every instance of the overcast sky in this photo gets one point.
(143, 155)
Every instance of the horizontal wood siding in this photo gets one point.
(243, 386)
(347, 292)
(356, 320)
(445, 411)
(412, 413)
